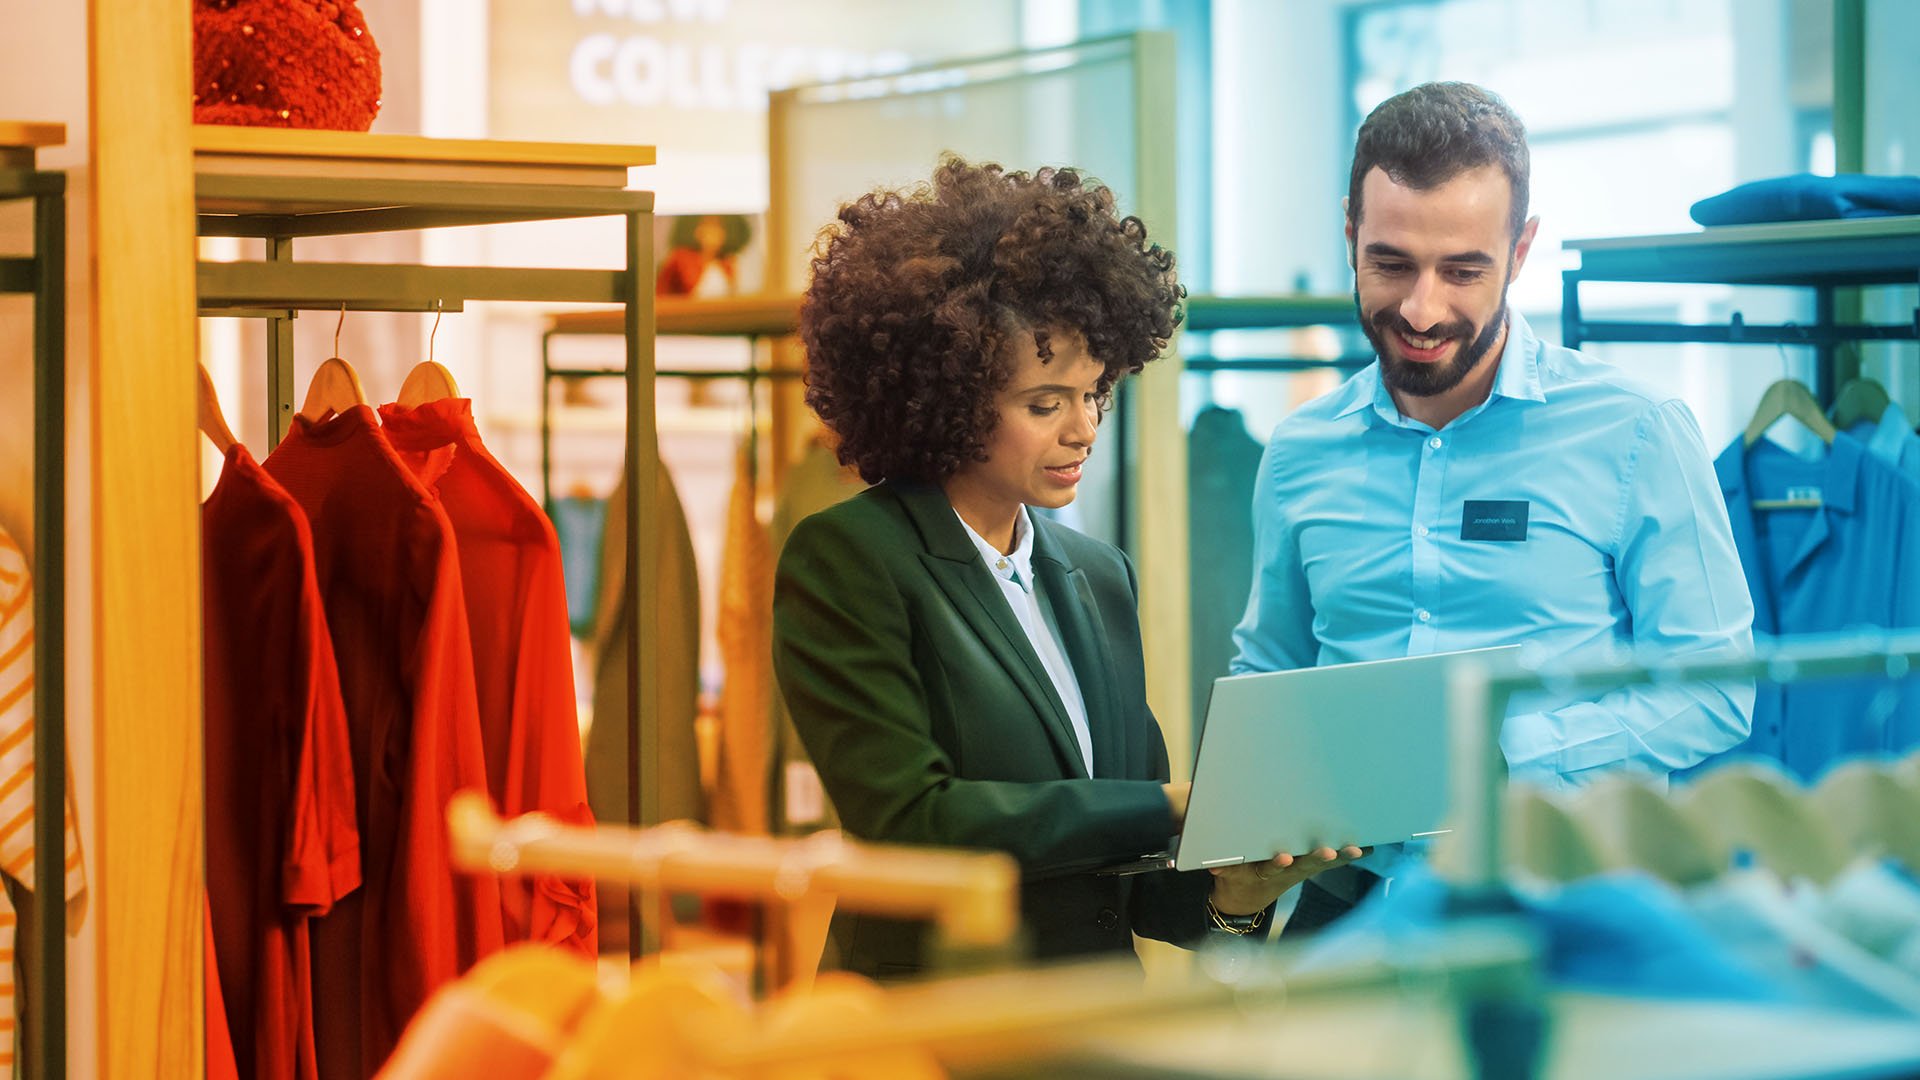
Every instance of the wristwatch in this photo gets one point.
(1237, 925)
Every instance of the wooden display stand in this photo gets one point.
(149, 190)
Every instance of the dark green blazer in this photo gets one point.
(931, 720)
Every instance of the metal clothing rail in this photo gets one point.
(331, 198)
(1824, 256)
(44, 275)
(1478, 694)
(749, 317)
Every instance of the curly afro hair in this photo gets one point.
(916, 295)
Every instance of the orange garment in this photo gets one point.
(283, 843)
(389, 575)
(522, 651)
(16, 779)
(745, 632)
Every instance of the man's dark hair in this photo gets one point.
(1433, 133)
(917, 294)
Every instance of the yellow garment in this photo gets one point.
(799, 804)
(507, 1019)
(745, 633)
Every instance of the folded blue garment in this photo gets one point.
(1811, 198)
(1621, 933)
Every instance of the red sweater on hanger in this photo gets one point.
(282, 841)
(522, 652)
(389, 574)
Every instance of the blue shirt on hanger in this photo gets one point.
(1891, 439)
(1573, 512)
(1852, 563)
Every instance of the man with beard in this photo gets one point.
(1479, 487)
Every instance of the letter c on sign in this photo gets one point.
(590, 79)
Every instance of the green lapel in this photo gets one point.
(954, 563)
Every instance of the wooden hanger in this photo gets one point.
(1633, 826)
(429, 380)
(1758, 808)
(1545, 839)
(213, 423)
(1872, 810)
(335, 386)
(1788, 398)
(1860, 399)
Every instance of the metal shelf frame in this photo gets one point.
(1824, 256)
(279, 209)
(44, 276)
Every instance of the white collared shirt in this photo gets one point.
(1014, 572)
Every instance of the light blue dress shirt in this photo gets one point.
(1014, 572)
(1377, 536)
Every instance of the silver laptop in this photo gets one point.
(1318, 757)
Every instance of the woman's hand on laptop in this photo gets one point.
(1251, 887)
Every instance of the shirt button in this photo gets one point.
(1423, 615)
(1108, 919)
(1002, 564)
(1424, 530)
(1434, 442)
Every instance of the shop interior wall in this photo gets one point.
(43, 76)
(1718, 93)
(1893, 148)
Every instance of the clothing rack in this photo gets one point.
(1478, 694)
(1823, 256)
(278, 185)
(750, 317)
(972, 898)
(43, 275)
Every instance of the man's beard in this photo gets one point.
(1430, 379)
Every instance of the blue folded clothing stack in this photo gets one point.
(1811, 198)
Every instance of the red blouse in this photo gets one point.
(522, 654)
(389, 575)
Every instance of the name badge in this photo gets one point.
(1497, 520)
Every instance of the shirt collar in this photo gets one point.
(1518, 377)
(1016, 566)
(1890, 436)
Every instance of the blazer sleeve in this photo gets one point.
(842, 652)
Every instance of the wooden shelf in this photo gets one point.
(31, 134)
(356, 155)
(736, 316)
(20, 138)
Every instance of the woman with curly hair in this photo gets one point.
(961, 671)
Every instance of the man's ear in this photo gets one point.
(1346, 211)
(1521, 246)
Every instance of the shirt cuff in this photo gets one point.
(1565, 742)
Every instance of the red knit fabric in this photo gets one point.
(284, 63)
